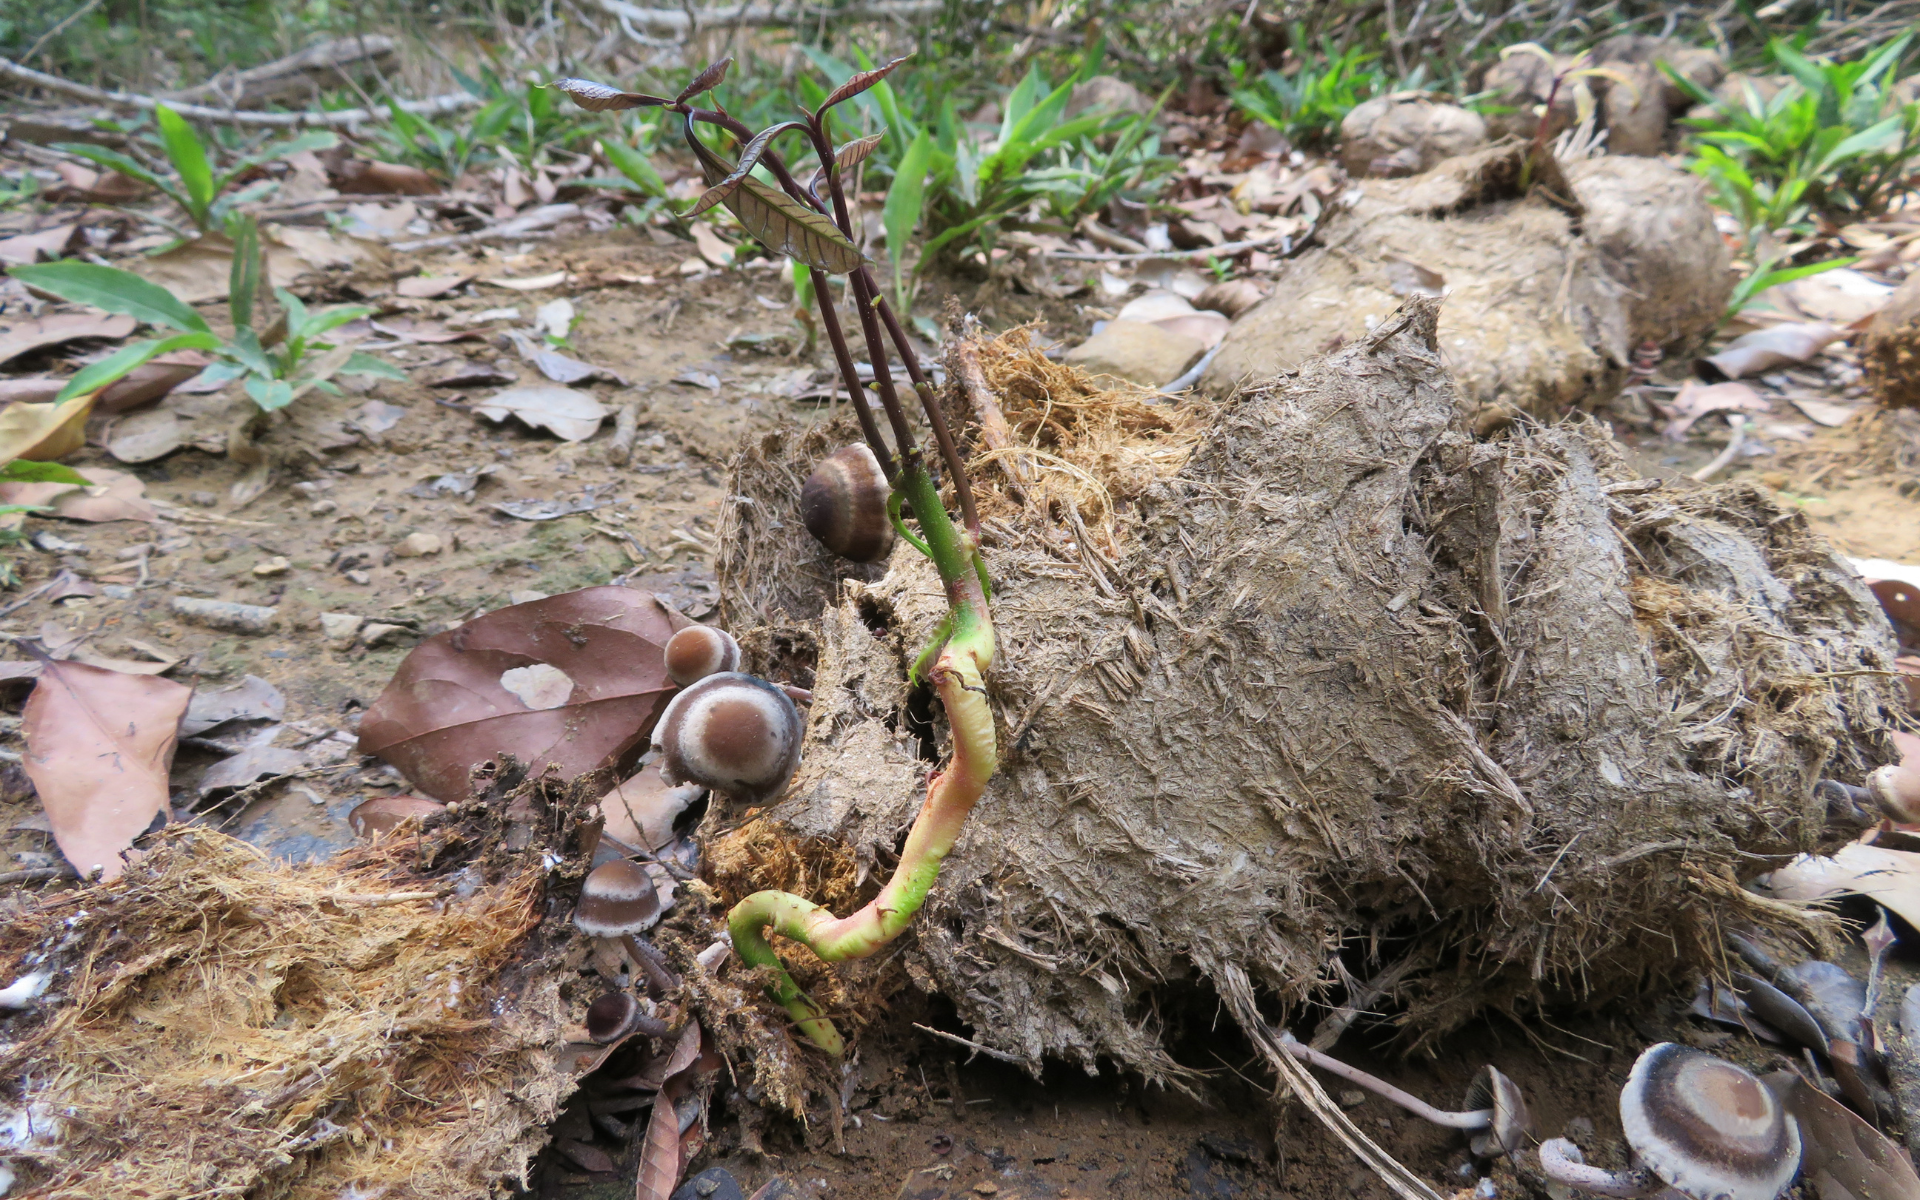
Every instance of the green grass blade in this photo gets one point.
(189, 160)
(116, 365)
(905, 199)
(114, 290)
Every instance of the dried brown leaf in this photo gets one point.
(1841, 1155)
(860, 81)
(1765, 349)
(26, 336)
(43, 432)
(48, 244)
(99, 745)
(570, 415)
(659, 1155)
(446, 710)
(598, 97)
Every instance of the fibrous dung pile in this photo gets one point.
(1316, 686)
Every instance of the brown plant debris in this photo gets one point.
(1496, 720)
(218, 1023)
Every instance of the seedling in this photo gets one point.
(200, 193)
(812, 224)
(277, 366)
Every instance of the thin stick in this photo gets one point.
(57, 30)
(976, 1047)
(452, 102)
(1732, 452)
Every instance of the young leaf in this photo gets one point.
(113, 290)
(22, 471)
(113, 160)
(904, 201)
(115, 366)
(635, 166)
(269, 394)
(861, 82)
(780, 223)
(243, 278)
(749, 158)
(847, 158)
(598, 97)
(705, 81)
(189, 160)
(362, 363)
(327, 319)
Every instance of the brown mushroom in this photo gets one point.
(844, 505)
(732, 733)
(616, 1015)
(699, 651)
(619, 901)
(1700, 1125)
(1496, 1113)
(384, 814)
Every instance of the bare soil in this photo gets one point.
(921, 1121)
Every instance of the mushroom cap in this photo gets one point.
(699, 651)
(611, 1017)
(383, 814)
(730, 732)
(1708, 1128)
(844, 504)
(1512, 1126)
(617, 898)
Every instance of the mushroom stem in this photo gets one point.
(1479, 1118)
(660, 980)
(1562, 1161)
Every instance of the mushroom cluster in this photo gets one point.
(725, 730)
(1699, 1125)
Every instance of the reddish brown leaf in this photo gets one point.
(705, 81)
(359, 177)
(99, 745)
(456, 701)
(1841, 1155)
(95, 187)
(598, 97)
(859, 82)
(660, 1155)
(149, 381)
(590, 1159)
(854, 153)
(749, 158)
(686, 1052)
(780, 223)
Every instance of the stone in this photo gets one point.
(1405, 135)
(267, 568)
(1137, 352)
(360, 577)
(417, 545)
(376, 633)
(340, 627)
(320, 508)
(714, 1183)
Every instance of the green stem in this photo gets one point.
(964, 651)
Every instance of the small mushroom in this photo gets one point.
(1896, 789)
(617, 1014)
(1496, 1112)
(732, 733)
(618, 901)
(844, 505)
(699, 651)
(1697, 1124)
(384, 814)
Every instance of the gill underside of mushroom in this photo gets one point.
(794, 220)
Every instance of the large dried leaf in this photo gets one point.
(659, 1155)
(1842, 1156)
(859, 82)
(705, 81)
(1765, 349)
(110, 495)
(749, 159)
(447, 709)
(99, 745)
(780, 223)
(44, 432)
(570, 415)
(1889, 877)
(598, 97)
(16, 340)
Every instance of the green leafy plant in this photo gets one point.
(1765, 276)
(515, 122)
(275, 371)
(1831, 143)
(960, 184)
(815, 228)
(1308, 104)
(201, 192)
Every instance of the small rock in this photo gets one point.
(1107, 94)
(340, 627)
(116, 591)
(204, 499)
(320, 508)
(1137, 352)
(1352, 1098)
(214, 554)
(714, 1183)
(527, 596)
(1405, 135)
(225, 614)
(359, 577)
(375, 633)
(416, 545)
(277, 565)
